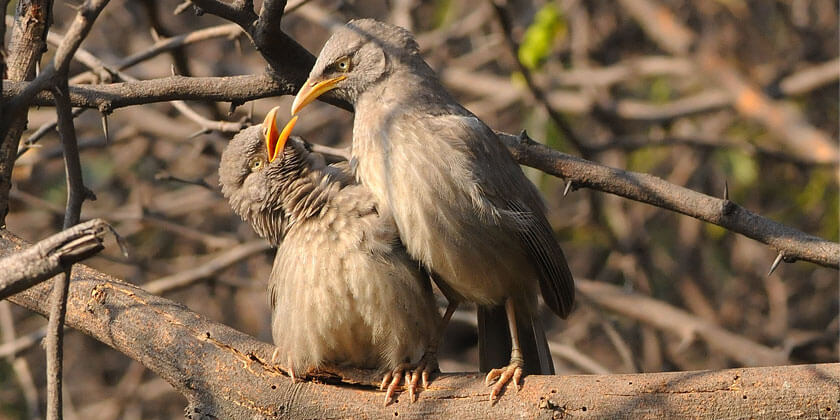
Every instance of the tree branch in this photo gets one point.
(51, 256)
(666, 317)
(791, 243)
(107, 97)
(794, 244)
(227, 373)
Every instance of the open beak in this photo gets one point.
(275, 140)
(312, 90)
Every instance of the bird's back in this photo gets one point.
(463, 205)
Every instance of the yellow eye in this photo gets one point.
(255, 164)
(343, 65)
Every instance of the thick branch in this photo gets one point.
(792, 243)
(51, 256)
(225, 373)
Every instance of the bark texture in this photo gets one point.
(227, 374)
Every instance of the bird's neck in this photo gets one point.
(307, 191)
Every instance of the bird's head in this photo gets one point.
(356, 57)
(255, 166)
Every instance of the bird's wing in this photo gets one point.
(556, 283)
(500, 183)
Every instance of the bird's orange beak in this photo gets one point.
(275, 140)
(312, 90)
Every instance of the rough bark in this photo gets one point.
(51, 256)
(227, 374)
(28, 42)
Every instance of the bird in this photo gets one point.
(343, 289)
(461, 203)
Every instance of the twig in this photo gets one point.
(11, 348)
(559, 120)
(216, 263)
(19, 364)
(576, 357)
(811, 78)
(76, 190)
(685, 325)
(54, 344)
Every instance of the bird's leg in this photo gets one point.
(428, 363)
(514, 369)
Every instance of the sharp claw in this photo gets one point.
(425, 379)
(385, 380)
(488, 380)
(392, 388)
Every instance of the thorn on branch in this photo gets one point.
(233, 106)
(199, 132)
(726, 190)
(182, 7)
(155, 34)
(776, 263)
(105, 127)
(89, 194)
(569, 186)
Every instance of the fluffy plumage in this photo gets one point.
(462, 204)
(343, 289)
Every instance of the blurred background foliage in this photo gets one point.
(632, 102)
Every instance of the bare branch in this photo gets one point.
(54, 344)
(20, 366)
(559, 120)
(666, 317)
(238, 89)
(811, 78)
(795, 245)
(50, 256)
(215, 264)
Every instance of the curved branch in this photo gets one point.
(226, 374)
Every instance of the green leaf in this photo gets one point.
(549, 25)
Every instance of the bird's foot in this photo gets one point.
(426, 367)
(504, 375)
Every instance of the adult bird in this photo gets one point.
(462, 204)
(343, 290)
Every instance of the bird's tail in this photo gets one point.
(494, 341)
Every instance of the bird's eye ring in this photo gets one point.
(255, 164)
(343, 64)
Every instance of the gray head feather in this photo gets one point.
(271, 196)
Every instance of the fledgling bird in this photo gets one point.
(343, 290)
(463, 206)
